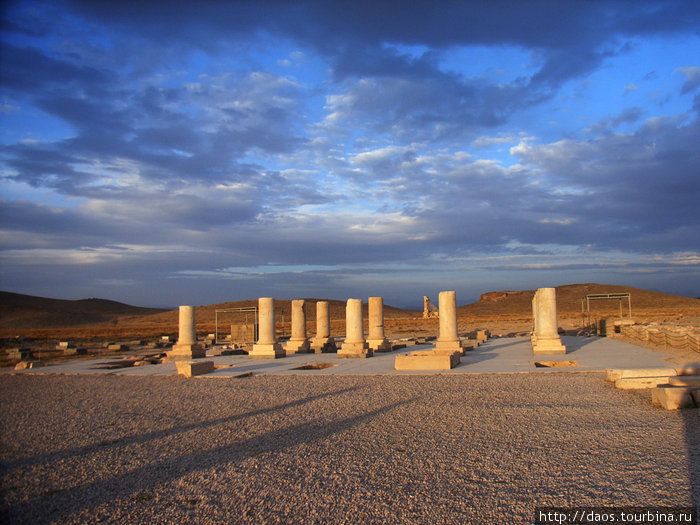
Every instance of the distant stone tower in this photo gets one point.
(429, 309)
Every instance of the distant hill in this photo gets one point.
(519, 303)
(26, 311)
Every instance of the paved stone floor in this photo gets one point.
(499, 355)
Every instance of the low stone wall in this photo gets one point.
(681, 339)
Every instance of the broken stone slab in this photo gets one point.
(696, 397)
(682, 380)
(75, 351)
(20, 353)
(613, 374)
(194, 368)
(674, 397)
(633, 383)
(23, 365)
(426, 360)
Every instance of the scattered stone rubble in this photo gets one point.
(671, 388)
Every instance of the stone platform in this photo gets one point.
(497, 355)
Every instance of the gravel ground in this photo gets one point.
(335, 449)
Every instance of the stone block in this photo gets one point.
(427, 360)
(355, 350)
(194, 368)
(117, 347)
(673, 397)
(74, 351)
(633, 383)
(267, 351)
(482, 335)
(183, 352)
(691, 369)
(696, 397)
(448, 347)
(548, 346)
(297, 346)
(693, 381)
(20, 353)
(23, 365)
(379, 345)
(613, 374)
(323, 345)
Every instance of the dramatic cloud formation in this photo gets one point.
(228, 150)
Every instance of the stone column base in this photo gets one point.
(448, 347)
(180, 352)
(379, 345)
(548, 346)
(297, 346)
(267, 351)
(355, 350)
(323, 345)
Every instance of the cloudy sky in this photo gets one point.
(162, 153)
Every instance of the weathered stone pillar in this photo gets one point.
(376, 339)
(186, 346)
(547, 340)
(533, 336)
(448, 341)
(355, 344)
(323, 342)
(298, 342)
(267, 346)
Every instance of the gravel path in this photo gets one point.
(341, 449)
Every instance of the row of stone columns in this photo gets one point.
(355, 344)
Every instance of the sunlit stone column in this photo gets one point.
(298, 342)
(533, 336)
(186, 346)
(448, 341)
(547, 340)
(376, 339)
(267, 346)
(323, 342)
(355, 344)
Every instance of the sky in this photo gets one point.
(161, 153)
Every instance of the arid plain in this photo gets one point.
(467, 448)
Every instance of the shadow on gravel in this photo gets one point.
(143, 438)
(691, 420)
(63, 504)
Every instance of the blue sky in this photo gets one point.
(221, 151)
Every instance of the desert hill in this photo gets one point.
(26, 311)
(519, 303)
(98, 318)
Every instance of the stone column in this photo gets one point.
(533, 336)
(355, 344)
(186, 346)
(323, 342)
(267, 346)
(448, 341)
(547, 340)
(298, 342)
(376, 339)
